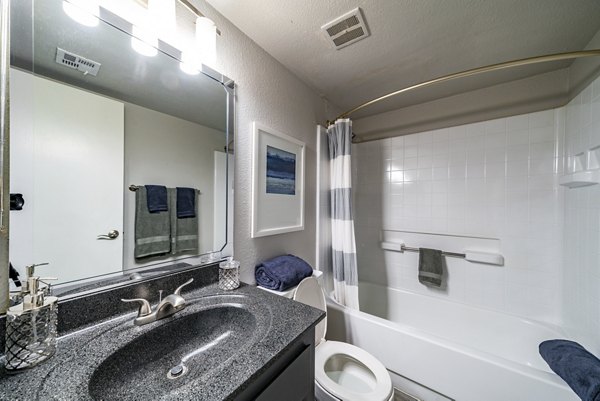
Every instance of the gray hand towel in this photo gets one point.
(184, 231)
(430, 267)
(152, 230)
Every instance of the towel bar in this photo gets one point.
(134, 188)
(471, 256)
(391, 246)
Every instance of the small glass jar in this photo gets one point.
(229, 274)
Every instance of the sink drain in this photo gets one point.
(177, 371)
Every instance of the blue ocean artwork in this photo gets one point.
(281, 172)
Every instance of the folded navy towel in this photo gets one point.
(577, 367)
(186, 202)
(282, 272)
(156, 197)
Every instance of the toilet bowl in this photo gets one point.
(342, 371)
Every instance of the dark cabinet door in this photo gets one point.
(294, 383)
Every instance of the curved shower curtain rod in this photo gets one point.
(475, 71)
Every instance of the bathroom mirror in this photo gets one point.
(95, 115)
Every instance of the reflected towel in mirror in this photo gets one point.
(184, 232)
(152, 230)
(156, 197)
(186, 202)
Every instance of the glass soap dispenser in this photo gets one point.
(31, 325)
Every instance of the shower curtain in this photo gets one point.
(345, 275)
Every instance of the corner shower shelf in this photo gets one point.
(579, 179)
(585, 167)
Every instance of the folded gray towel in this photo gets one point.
(152, 230)
(184, 232)
(430, 267)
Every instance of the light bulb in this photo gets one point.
(144, 42)
(206, 40)
(188, 69)
(190, 62)
(163, 18)
(84, 12)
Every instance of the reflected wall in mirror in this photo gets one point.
(79, 140)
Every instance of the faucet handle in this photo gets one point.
(178, 290)
(145, 308)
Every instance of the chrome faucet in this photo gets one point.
(166, 307)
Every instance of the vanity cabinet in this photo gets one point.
(290, 378)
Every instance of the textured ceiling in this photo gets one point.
(412, 41)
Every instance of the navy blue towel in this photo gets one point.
(577, 367)
(186, 202)
(156, 197)
(282, 272)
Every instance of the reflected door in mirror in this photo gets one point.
(72, 181)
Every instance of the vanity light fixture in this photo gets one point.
(151, 20)
(204, 48)
(84, 12)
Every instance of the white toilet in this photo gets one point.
(342, 371)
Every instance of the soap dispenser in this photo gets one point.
(31, 325)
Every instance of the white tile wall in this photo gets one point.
(495, 179)
(581, 271)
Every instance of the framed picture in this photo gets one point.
(277, 182)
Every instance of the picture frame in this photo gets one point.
(277, 182)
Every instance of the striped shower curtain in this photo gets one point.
(345, 275)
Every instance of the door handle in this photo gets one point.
(111, 235)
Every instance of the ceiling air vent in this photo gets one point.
(76, 62)
(347, 29)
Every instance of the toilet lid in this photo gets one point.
(382, 389)
(309, 292)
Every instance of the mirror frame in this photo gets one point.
(4, 151)
(120, 24)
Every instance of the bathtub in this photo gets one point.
(462, 352)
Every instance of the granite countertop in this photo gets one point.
(260, 329)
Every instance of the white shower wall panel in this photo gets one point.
(495, 179)
(581, 271)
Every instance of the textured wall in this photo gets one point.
(269, 93)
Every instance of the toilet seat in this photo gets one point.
(366, 378)
(310, 293)
(382, 384)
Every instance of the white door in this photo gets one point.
(74, 186)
